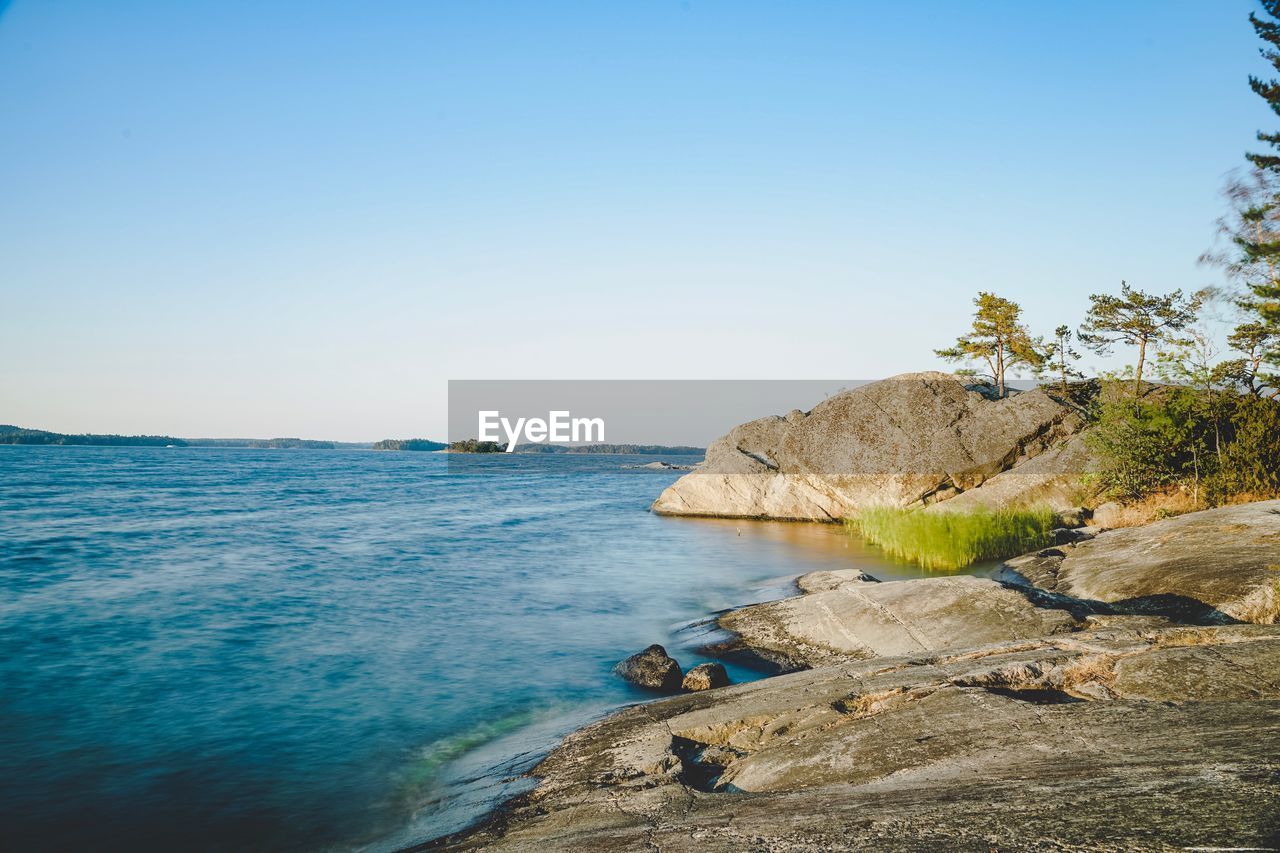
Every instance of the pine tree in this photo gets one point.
(997, 339)
(1062, 356)
(1138, 319)
(1256, 237)
(1268, 90)
(1255, 341)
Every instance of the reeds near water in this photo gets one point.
(946, 541)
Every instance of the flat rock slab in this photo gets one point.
(1073, 742)
(1224, 563)
(845, 616)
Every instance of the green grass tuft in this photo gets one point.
(946, 541)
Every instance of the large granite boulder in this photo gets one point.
(847, 615)
(652, 668)
(1218, 565)
(1052, 478)
(919, 438)
(1101, 740)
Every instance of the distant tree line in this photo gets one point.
(409, 444)
(287, 443)
(267, 443)
(471, 445)
(616, 449)
(18, 435)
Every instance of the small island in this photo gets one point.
(420, 444)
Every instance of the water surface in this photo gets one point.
(295, 650)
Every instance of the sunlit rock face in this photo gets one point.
(918, 438)
(1219, 565)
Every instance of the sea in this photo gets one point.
(282, 650)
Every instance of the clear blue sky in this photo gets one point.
(303, 218)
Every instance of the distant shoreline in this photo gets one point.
(14, 435)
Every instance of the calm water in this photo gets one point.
(299, 650)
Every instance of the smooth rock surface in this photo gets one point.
(845, 615)
(705, 676)
(1102, 740)
(1107, 515)
(919, 438)
(652, 668)
(1217, 565)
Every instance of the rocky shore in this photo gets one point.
(1120, 693)
(1119, 690)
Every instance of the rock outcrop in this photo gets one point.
(652, 669)
(1102, 740)
(846, 615)
(705, 676)
(1218, 565)
(919, 438)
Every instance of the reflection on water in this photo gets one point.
(824, 546)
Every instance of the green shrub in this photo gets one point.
(1145, 445)
(1251, 460)
(1216, 444)
(946, 541)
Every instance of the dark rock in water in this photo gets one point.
(706, 676)
(652, 668)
